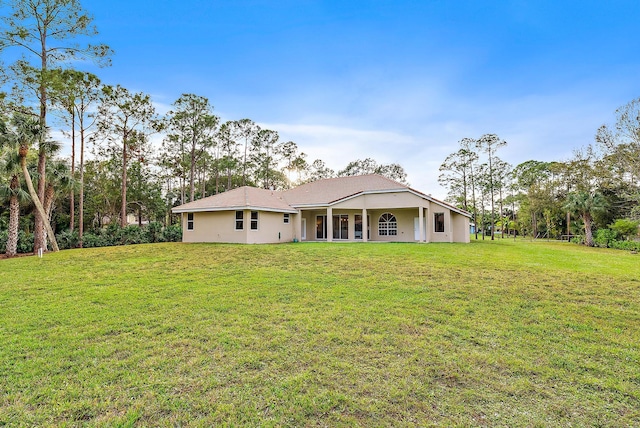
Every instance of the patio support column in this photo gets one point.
(365, 225)
(421, 224)
(448, 226)
(329, 224)
(427, 233)
(297, 226)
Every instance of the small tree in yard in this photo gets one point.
(586, 204)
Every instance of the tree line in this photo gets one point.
(115, 170)
(593, 197)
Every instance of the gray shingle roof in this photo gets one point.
(241, 198)
(321, 193)
(326, 191)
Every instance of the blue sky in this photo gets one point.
(400, 81)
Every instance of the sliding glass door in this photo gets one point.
(341, 226)
(321, 227)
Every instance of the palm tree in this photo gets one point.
(25, 133)
(15, 194)
(585, 204)
(59, 183)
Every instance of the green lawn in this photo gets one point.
(490, 333)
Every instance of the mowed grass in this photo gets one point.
(489, 333)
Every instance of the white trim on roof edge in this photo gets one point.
(236, 208)
(377, 192)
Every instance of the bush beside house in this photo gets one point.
(110, 236)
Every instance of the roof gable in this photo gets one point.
(324, 192)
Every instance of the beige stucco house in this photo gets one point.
(357, 209)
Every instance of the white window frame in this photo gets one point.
(190, 222)
(388, 226)
(286, 218)
(325, 229)
(239, 221)
(435, 223)
(341, 218)
(252, 220)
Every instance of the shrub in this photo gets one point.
(172, 233)
(112, 235)
(153, 232)
(626, 245)
(4, 235)
(131, 234)
(604, 237)
(67, 239)
(25, 242)
(625, 228)
(91, 240)
(578, 239)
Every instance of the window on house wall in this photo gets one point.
(387, 225)
(254, 220)
(358, 226)
(239, 220)
(321, 227)
(341, 226)
(286, 218)
(438, 222)
(189, 221)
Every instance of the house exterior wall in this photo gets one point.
(219, 226)
(404, 218)
(271, 228)
(447, 235)
(383, 201)
(460, 226)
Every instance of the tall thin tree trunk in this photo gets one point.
(81, 201)
(72, 193)
(513, 217)
(501, 214)
(192, 176)
(493, 220)
(244, 163)
(14, 217)
(203, 192)
(38, 204)
(49, 195)
(182, 190)
(483, 219)
(123, 200)
(39, 228)
(473, 197)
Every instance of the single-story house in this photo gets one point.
(356, 208)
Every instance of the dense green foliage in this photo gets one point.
(111, 235)
(125, 175)
(598, 186)
(485, 334)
